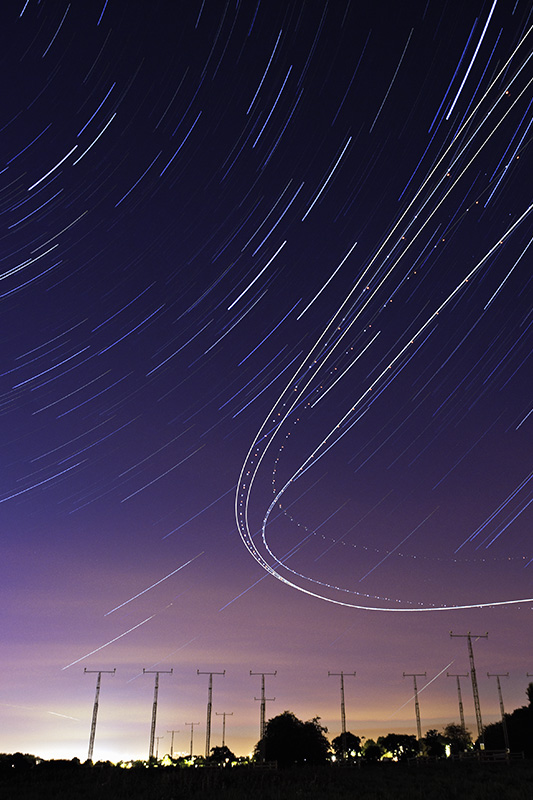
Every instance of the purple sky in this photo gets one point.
(266, 322)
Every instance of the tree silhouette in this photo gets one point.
(400, 745)
(372, 751)
(529, 693)
(221, 756)
(352, 744)
(290, 741)
(519, 728)
(17, 761)
(459, 738)
(434, 744)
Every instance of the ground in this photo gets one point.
(438, 781)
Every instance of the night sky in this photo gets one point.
(265, 361)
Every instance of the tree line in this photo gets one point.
(289, 741)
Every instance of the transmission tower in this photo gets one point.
(264, 700)
(262, 718)
(209, 708)
(157, 738)
(475, 691)
(172, 742)
(96, 701)
(157, 673)
(192, 724)
(499, 675)
(343, 708)
(461, 712)
(224, 714)
(414, 676)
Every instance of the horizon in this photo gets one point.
(239, 737)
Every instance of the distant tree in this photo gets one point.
(177, 761)
(529, 693)
(400, 745)
(434, 744)
(493, 736)
(353, 746)
(289, 741)
(221, 756)
(61, 764)
(459, 738)
(372, 751)
(19, 761)
(519, 729)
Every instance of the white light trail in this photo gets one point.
(110, 642)
(146, 485)
(448, 115)
(350, 251)
(422, 689)
(328, 178)
(170, 574)
(53, 169)
(257, 276)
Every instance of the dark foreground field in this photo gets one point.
(439, 781)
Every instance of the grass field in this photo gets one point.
(437, 781)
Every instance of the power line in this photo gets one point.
(157, 673)
(343, 708)
(414, 676)
(461, 711)
(192, 724)
(209, 708)
(172, 742)
(475, 690)
(95, 707)
(262, 717)
(157, 738)
(499, 675)
(224, 714)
